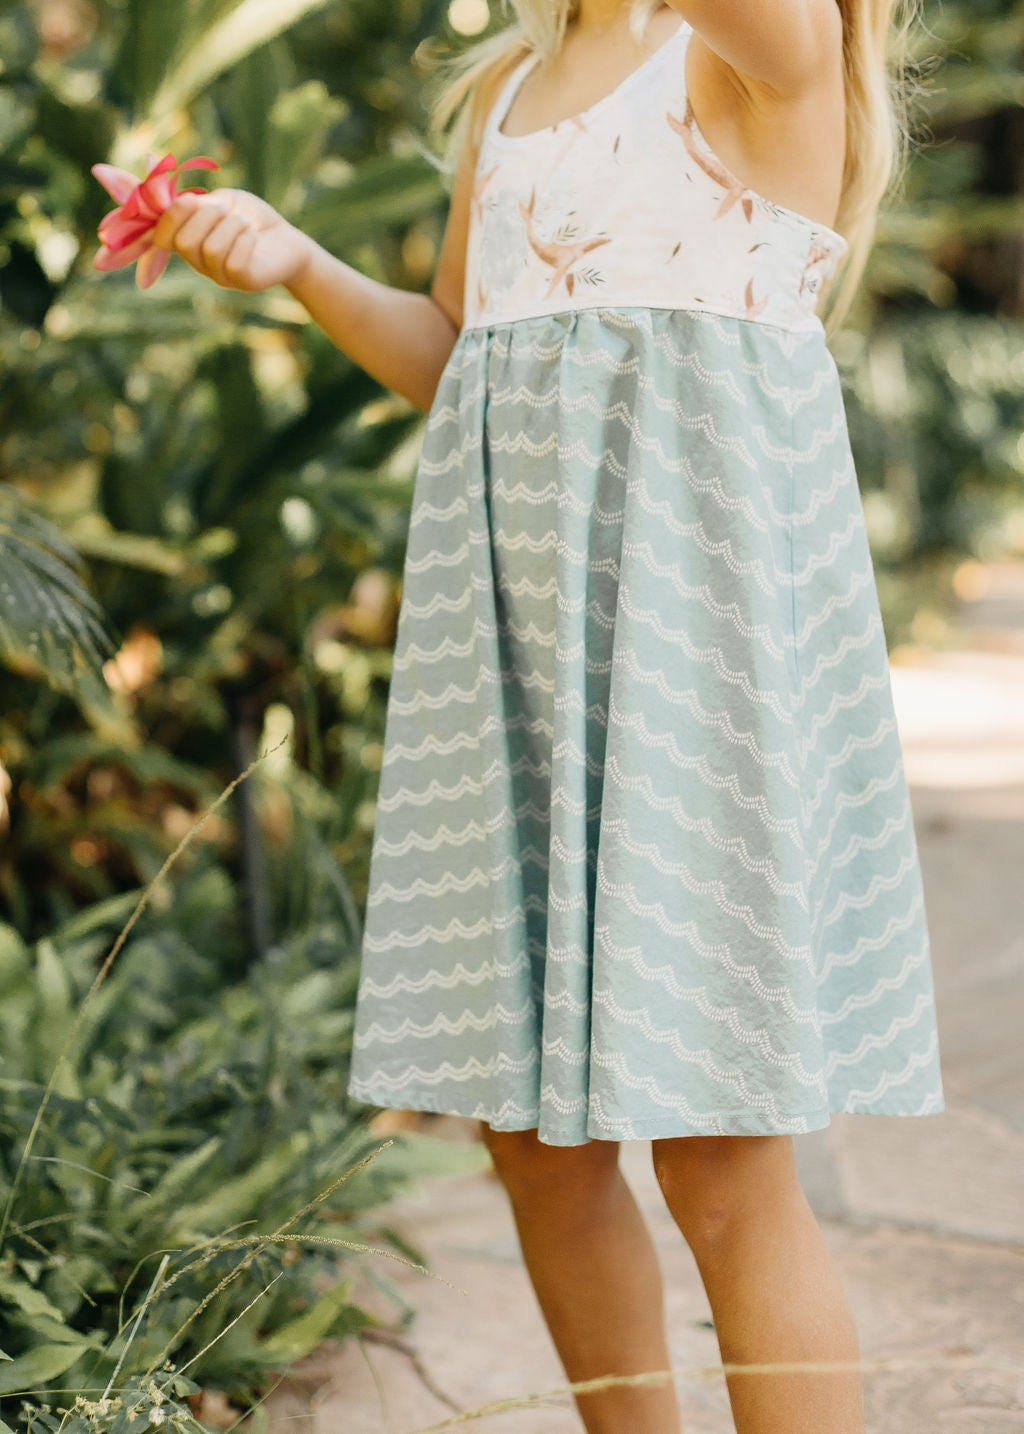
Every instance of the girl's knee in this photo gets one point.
(531, 1169)
(712, 1184)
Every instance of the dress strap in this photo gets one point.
(508, 92)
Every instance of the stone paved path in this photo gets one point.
(926, 1217)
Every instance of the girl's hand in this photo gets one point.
(234, 238)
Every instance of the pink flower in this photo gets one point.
(127, 231)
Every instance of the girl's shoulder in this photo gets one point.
(486, 92)
(448, 285)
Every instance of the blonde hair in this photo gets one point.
(876, 36)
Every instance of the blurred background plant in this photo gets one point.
(238, 488)
(238, 493)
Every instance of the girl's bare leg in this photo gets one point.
(595, 1272)
(774, 1290)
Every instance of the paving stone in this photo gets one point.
(961, 1172)
(914, 1296)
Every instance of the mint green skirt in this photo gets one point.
(644, 861)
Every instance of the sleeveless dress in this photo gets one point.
(644, 861)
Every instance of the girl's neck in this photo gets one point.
(601, 15)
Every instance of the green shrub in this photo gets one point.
(192, 1118)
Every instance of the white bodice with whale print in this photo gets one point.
(626, 204)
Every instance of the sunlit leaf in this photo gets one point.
(215, 49)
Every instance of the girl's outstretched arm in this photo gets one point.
(403, 339)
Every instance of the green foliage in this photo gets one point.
(48, 619)
(141, 1403)
(194, 1118)
(239, 493)
(932, 356)
(234, 484)
(961, 196)
(944, 469)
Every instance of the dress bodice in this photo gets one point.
(625, 204)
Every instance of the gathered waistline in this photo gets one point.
(565, 314)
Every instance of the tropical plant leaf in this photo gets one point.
(56, 762)
(58, 1332)
(181, 1174)
(151, 39)
(234, 1200)
(47, 615)
(14, 958)
(37, 1367)
(223, 44)
(295, 1339)
(25, 1297)
(385, 190)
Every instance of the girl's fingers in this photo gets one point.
(195, 232)
(237, 263)
(173, 220)
(215, 247)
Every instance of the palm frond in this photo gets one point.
(48, 617)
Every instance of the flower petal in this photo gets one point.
(116, 231)
(157, 195)
(107, 258)
(151, 265)
(157, 189)
(126, 232)
(135, 206)
(119, 218)
(167, 163)
(108, 219)
(117, 182)
(201, 161)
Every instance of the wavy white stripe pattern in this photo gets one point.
(644, 863)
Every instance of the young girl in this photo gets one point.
(644, 864)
